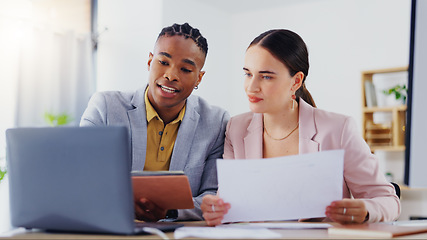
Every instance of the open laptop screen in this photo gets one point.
(70, 179)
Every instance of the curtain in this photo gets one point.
(42, 69)
(55, 75)
(45, 66)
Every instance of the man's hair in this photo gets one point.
(186, 31)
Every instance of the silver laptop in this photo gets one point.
(74, 179)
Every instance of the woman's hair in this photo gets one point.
(291, 50)
(186, 31)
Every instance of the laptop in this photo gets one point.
(73, 179)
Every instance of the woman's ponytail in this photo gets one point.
(303, 93)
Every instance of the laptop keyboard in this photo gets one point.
(162, 226)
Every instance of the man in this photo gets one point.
(168, 128)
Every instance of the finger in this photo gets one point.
(222, 208)
(148, 205)
(210, 199)
(139, 213)
(213, 219)
(211, 203)
(153, 210)
(347, 207)
(145, 216)
(146, 210)
(347, 203)
(206, 207)
(347, 219)
(141, 209)
(213, 215)
(337, 210)
(346, 215)
(144, 205)
(214, 222)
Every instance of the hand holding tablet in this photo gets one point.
(167, 189)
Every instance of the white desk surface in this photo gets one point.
(286, 234)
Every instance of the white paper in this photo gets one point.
(225, 233)
(279, 225)
(283, 188)
(13, 232)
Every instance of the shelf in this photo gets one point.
(387, 148)
(404, 187)
(383, 128)
(385, 70)
(384, 109)
(379, 135)
(384, 120)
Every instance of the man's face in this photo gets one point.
(175, 69)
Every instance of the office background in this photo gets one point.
(344, 38)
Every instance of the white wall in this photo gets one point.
(123, 49)
(214, 24)
(343, 38)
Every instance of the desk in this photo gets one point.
(286, 234)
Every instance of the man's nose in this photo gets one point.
(171, 74)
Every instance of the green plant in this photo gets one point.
(399, 91)
(3, 170)
(57, 120)
(2, 173)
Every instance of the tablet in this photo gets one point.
(167, 189)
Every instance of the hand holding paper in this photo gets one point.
(283, 188)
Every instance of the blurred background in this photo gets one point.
(54, 54)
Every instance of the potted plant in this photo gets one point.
(52, 120)
(2, 173)
(399, 91)
(57, 120)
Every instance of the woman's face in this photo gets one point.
(268, 83)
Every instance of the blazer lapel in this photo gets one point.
(138, 134)
(186, 133)
(307, 144)
(253, 140)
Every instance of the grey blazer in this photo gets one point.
(200, 139)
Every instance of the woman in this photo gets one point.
(284, 121)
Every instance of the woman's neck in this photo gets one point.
(281, 122)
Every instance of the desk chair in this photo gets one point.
(397, 188)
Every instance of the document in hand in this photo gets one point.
(167, 189)
(282, 188)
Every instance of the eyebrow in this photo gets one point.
(189, 62)
(268, 72)
(185, 60)
(165, 54)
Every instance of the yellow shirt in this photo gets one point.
(160, 138)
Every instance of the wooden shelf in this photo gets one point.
(384, 109)
(389, 136)
(404, 187)
(387, 148)
(384, 70)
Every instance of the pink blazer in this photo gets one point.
(321, 130)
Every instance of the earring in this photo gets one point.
(196, 87)
(293, 97)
